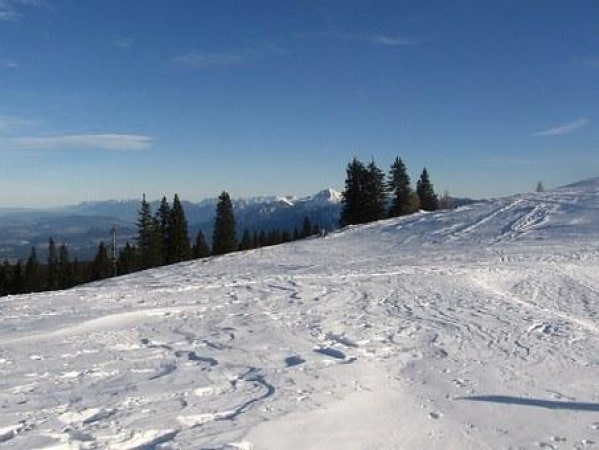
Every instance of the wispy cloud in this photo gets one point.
(122, 42)
(393, 41)
(113, 142)
(374, 39)
(9, 9)
(206, 60)
(9, 65)
(564, 129)
(11, 124)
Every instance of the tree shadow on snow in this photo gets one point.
(522, 401)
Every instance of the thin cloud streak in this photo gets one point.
(374, 39)
(8, 8)
(10, 124)
(122, 42)
(562, 130)
(112, 142)
(204, 60)
(392, 41)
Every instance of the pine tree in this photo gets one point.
(163, 221)
(353, 195)
(127, 262)
(402, 195)
(375, 194)
(201, 249)
(17, 282)
(148, 239)
(52, 278)
(224, 238)
(66, 271)
(307, 227)
(262, 239)
(426, 193)
(255, 239)
(33, 281)
(101, 266)
(246, 240)
(178, 234)
(4, 279)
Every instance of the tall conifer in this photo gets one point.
(353, 195)
(201, 249)
(426, 193)
(149, 241)
(163, 222)
(224, 238)
(178, 234)
(374, 205)
(53, 267)
(402, 196)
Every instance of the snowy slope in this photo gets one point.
(477, 328)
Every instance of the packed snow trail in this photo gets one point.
(477, 328)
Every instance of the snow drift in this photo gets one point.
(475, 328)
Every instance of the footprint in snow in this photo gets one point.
(546, 445)
(295, 360)
(435, 415)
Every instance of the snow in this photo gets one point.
(469, 329)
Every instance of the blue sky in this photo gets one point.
(104, 99)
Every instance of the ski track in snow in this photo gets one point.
(476, 328)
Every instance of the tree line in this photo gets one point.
(162, 239)
(369, 195)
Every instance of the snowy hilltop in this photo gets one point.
(465, 329)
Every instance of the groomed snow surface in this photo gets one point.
(471, 329)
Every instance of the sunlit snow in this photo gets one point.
(475, 328)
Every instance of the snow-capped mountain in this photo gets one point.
(84, 225)
(465, 329)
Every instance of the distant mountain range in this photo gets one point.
(83, 226)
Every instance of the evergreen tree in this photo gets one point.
(148, 239)
(375, 194)
(307, 227)
(33, 278)
(79, 271)
(426, 193)
(402, 195)
(127, 262)
(255, 239)
(246, 240)
(52, 278)
(540, 187)
(285, 236)
(353, 195)
(224, 238)
(178, 234)
(66, 271)
(163, 222)
(262, 239)
(5, 279)
(17, 282)
(101, 266)
(201, 249)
